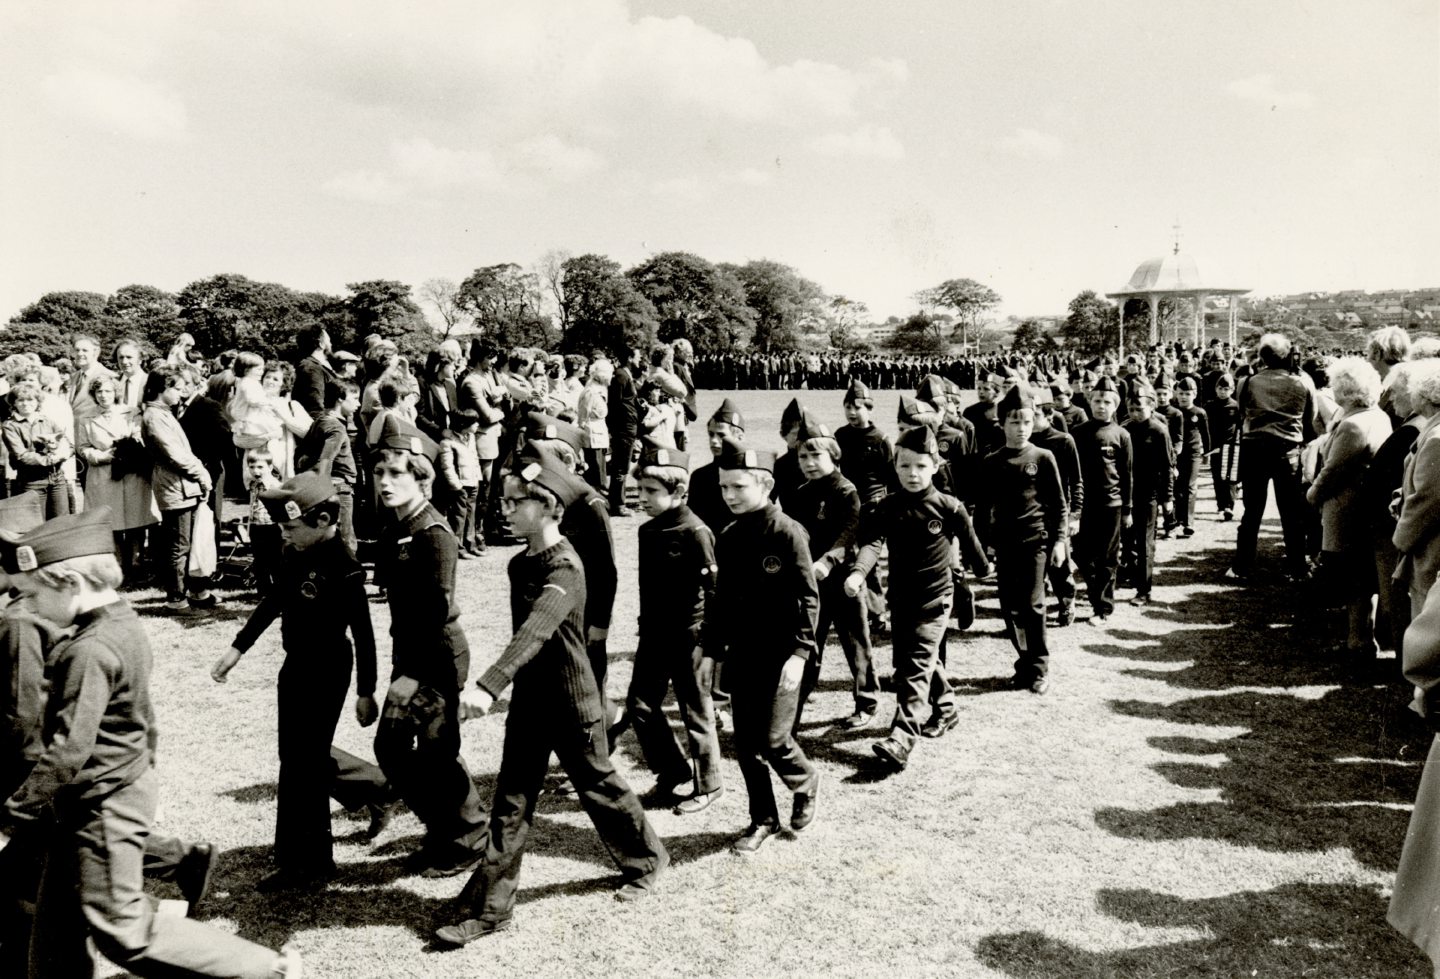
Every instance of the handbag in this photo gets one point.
(203, 556)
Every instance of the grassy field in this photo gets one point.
(1201, 793)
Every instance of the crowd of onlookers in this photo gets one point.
(168, 441)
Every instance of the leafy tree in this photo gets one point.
(551, 270)
(48, 325)
(145, 314)
(1092, 325)
(46, 339)
(785, 303)
(845, 317)
(1030, 337)
(505, 302)
(696, 300)
(921, 334)
(442, 295)
(384, 306)
(966, 297)
(230, 311)
(603, 308)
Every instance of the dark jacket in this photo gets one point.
(677, 572)
(417, 559)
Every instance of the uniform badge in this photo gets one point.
(292, 510)
(25, 558)
(1030, 469)
(1107, 451)
(530, 472)
(415, 446)
(662, 457)
(550, 432)
(771, 564)
(934, 526)
(751, 459)
(308, 589)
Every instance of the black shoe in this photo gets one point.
(1066, 615)
(940, 724)
(892, 753)
(192, 875)
(379, 819)
(754, 835)
(285, 879)
(802, 809)
(470, 929)
(642, 887)
(1227, 515)
(206, 602)
(1188, 532)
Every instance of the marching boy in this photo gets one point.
(1190, 450)
(920, 525)
(677, 576)
(1022, 501)
(760, 622)
(1105, 470)
(1061, 445)
(96, 776)
(554, 706)
(318, 595)
(1223, 415)
(828, 507)
(1154, 459)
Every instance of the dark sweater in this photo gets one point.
(417, 557)
(765, 602)
(677, 572)
(919, 529)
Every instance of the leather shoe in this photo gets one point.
(802, 809)
(379, 819)
(698, 802)
(892, 753)
(456, 861)
(642, 887)
(940, 724)
(284, 879)
(755, 834)
(192, 875)
(470, 929)
(859, 720)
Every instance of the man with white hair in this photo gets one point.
(87, 368)
(1277, 410)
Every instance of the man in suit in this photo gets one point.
(87, 368)
(624, 422)
(129, 375)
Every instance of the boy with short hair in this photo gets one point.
(867, 458)
(555, 706)
(828, 507)
(787, 467)
(1223, 415)
(1191, 450)
(96, 777)
(920, 525)
(264, 535)
(706, 502)
(460, 468)
(1061, 445)
(318, 595)
(1022, 501)
(1154, 459)
(1106, 466)
(677, 576)
(328, 447)
(765, 579)
(1174, 420)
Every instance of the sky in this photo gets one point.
(1042, 148)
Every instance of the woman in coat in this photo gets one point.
(1356, 433)
(1417, 532)
(115, 431)
(590, 413)
(180, 481)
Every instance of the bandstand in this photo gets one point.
(1175, 276)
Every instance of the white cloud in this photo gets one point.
(868, 141)
(1032, 144)
(681, 189)
(117, 103)
(1262, 89)
(749, 177)
(423, 162)
(366, 186)
(554, 156)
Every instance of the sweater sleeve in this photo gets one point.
(356, 609)
(807, 593)
(1124, 471)
(260, 619)
(973, 552)
(1050, 490)
(556, 602)
(601, 576)
(870, 537)
(847, 525)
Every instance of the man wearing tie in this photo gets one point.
(87, 368)
(130, 379)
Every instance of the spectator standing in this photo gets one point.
(1417, 533)
(591, 412)
(315, 369)
(623, 421)
(117, 473)
(129, 375)
(37, 449)
(295, 419)
(87, 369)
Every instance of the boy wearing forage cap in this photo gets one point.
(677, 576)
(96, 777)
(1154, 473)
(764, 580)
(787, 466)
(418, 740)
(1061, 445)
(1191, 450)
(1023, 503)
(555, 706)
(867, 458)
(828, 507)
(920, 525)
(319, 595)
(1106, 465)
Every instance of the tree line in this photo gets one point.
(569, 303)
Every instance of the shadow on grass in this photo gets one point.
(252, 794)
(1321, 930)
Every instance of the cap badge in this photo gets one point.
(771, 564)
(415, 446)
(292, 510)
(530, 472)
(662, 457)
(751, 459)
(25, 558)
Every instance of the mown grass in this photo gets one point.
(1202, 793)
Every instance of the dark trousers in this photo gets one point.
(1062, 582)
(584, 754)
(765, 736)
(1140, 547)
(595, 467)
(1098, 544)
(460, 511)
(1263, 461)
(1020, 577)
(851, 620)
(345, 524)
(356, 783)
(266, 546)
(92, 881)
(55, 488)
(1187, 487)
(621, 447)
(311, 694)
(662, 661)
(1224, 488)
(418, 749)
(177, 526)
(916, 637)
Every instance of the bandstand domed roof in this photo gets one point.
(1170, 275)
